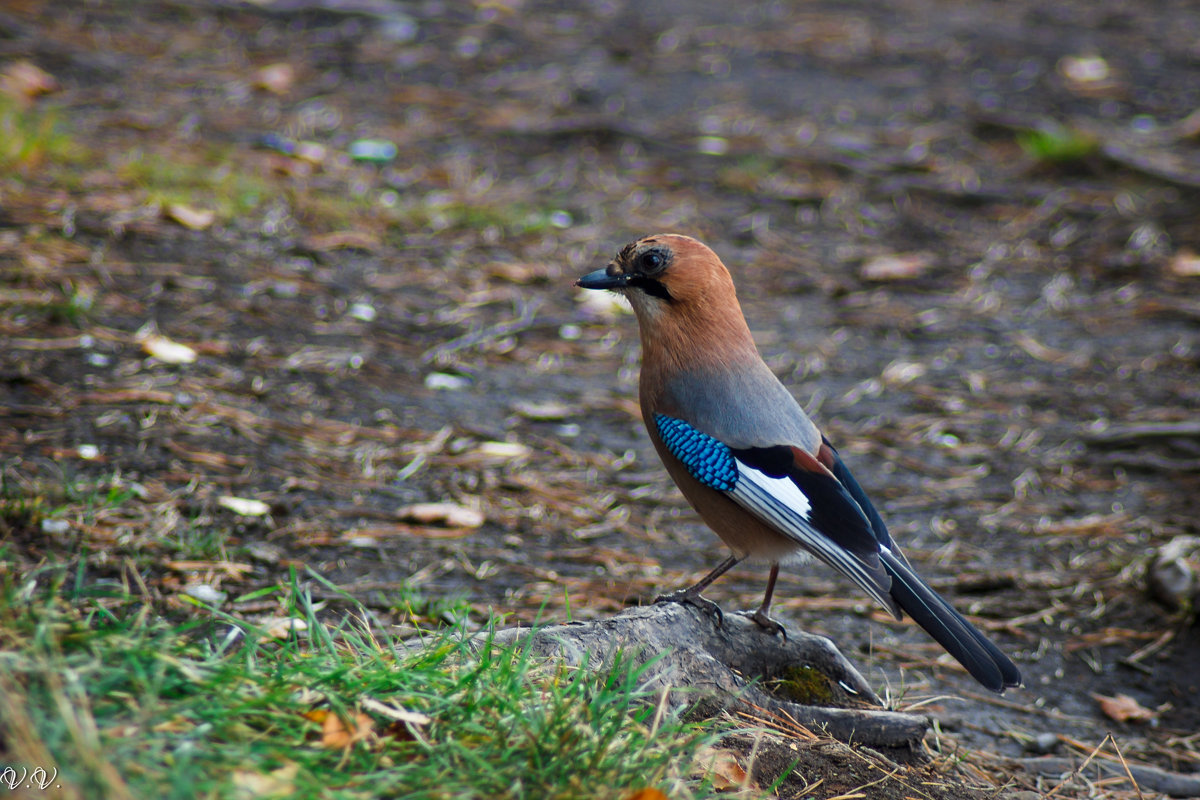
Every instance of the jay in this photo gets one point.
(749, 460)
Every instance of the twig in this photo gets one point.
(1128, 772)
(525, 319)
(1132, 434)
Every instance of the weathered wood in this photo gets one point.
(732, 667)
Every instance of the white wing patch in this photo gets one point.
(781, 503)
(784, 490)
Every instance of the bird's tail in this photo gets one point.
(961, 639)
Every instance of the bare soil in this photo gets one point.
(964, 233)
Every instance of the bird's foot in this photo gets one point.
(766, 623)
(691, 598)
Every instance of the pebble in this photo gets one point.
(205, 594)
(1171, 576)
(442, 380)
(376, 151)
(1043, 743)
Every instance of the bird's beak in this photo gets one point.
(603, 279)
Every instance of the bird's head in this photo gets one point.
(666, 275)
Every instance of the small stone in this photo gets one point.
(1043, 743)
(375, 151)
(244, 506)
(446, 382)
(55, 526)
(205, 594)
(1171, 576)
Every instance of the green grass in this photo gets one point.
(34, 138)
(1057, 145)
(123, 703)
(205, 180)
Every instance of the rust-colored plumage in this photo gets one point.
(747, 457)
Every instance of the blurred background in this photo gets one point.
(287, 286)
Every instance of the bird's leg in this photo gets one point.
(691, 595)
(761, 616)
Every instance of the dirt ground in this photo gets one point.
(964, 233)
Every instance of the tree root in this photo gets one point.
(736, 667)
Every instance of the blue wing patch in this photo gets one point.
(708, 460)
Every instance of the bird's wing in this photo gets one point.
(830, 459)
(792, 492)
(927, 608)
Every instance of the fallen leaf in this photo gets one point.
(502, 451)
(244, 506)
(1084, 69)
(722, 767)
(195, 219)
(1185, 264)
(205, 593)
(275, 78)
(176, 724)
(451, 515)
(442, 381)
(899, 373)
(602, 305)
(517, 271)
(649, 793)
(335, 734)
(1123, 708)
(283, 628)
(24, 80)
(251, 785)
(896, 267)
(342, 240)
(167, 351)
(549, 410)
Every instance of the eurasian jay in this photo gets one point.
(749, 460)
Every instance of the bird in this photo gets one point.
(750, 461)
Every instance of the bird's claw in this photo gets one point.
(766, 623)
(693, 599)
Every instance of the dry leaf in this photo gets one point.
(723, 767)
(900, 373)
(176, 724)
(602, 305)
(1084, 69)
(517, 271)
(1185, 264)
(896, 267)
(542, 412)
(343, 240)
(275, 78)
(501, 451)
(449, 514)
(196, 219)
(244, 506)
(1123, 708)
(167, 351)
(276, 783)
(24, 80)
(649, 793)
(205, 593)
(283, 628)
(335, 734)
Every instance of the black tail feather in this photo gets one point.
(949, 628)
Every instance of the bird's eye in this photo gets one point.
(651, 262)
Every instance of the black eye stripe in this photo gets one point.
(651, 287)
